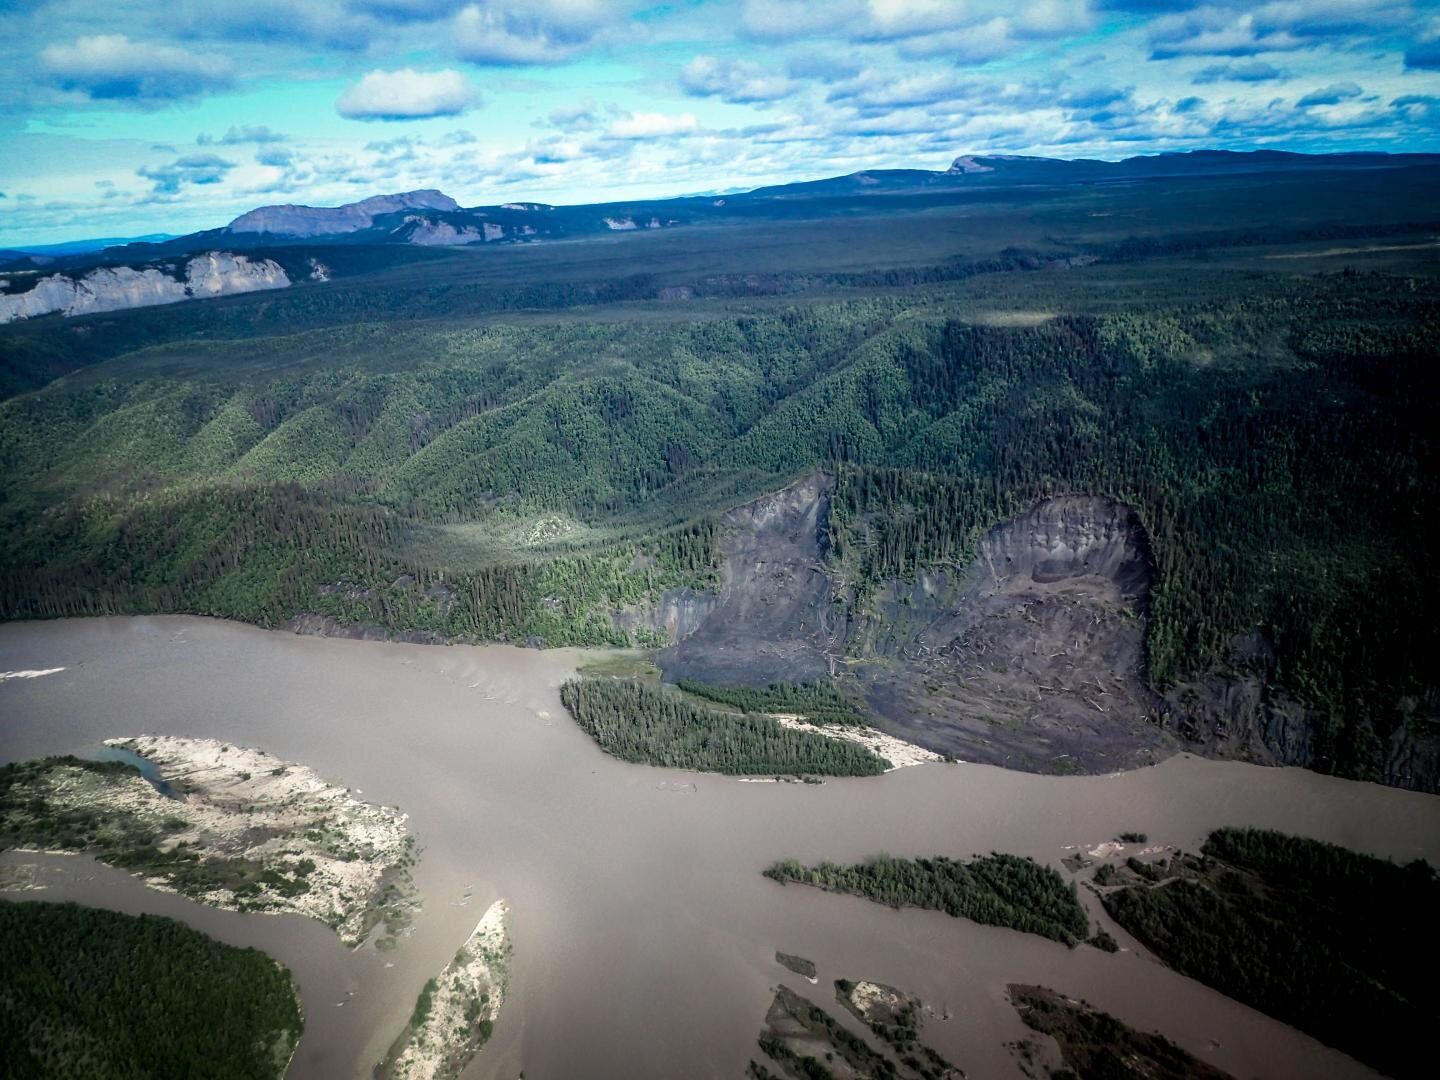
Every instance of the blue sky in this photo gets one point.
(124, 117)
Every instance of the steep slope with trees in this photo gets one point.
(572, 476)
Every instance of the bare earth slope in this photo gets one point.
(1034, 658)
(1031, 658)
(772, 620)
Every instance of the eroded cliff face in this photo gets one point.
(1031, 658)
(114, 288)
(677, 615)
(772, 618)
(1034, 657)
(1241, 713)
(441, 233)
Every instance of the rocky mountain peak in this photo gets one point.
(967, 163)
(292, 220)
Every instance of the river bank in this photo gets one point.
(226, 825)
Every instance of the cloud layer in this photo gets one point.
(112, 67)
(406, 94)
(571, 100)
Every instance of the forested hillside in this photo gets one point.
(1329, 940)
(96, 993)
(1283, 493)
(556, 476)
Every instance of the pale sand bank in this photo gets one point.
(899, 753)
(459, 1007)
(244, 831)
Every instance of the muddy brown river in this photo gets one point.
(644, 934)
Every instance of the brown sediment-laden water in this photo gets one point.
(644, 934)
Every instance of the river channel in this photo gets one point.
(644, 933)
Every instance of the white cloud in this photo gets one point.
(869, 83)
(879, 90)
(652, 125)
(239, 136)
(194, 169)
(1051, 18)
(582, 116)
(1333, 94)
(968, 30)
(406, 94)
(1245, 71)
(1332, 18)
(889, 19)
(787, 20)
(971, 44)
(1213, 31)
(111, 67)
(521, 32)
(328, 23)
(739, 81)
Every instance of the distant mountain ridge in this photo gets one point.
(426, 214)
(307, 221)
(85, 247)
(429, 217)
(310, 243)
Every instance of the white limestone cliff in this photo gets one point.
(114, 288)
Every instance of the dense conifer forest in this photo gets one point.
(1336, 943)
(640, 722)
(547, 461)
(89, 993)
(1279, 495)
(818, 702)
(996, 889)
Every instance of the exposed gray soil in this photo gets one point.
(1031, 658)
(677, 615)
(773, 619)
(1034, 658)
